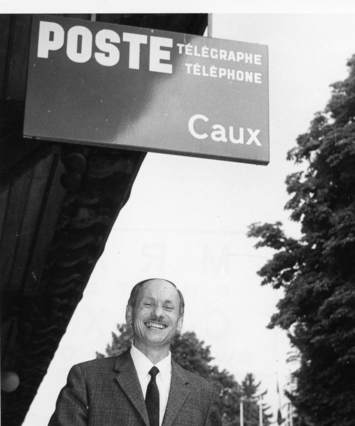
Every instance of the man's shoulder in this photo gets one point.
(96, 363)
(100, 364)
(195, 379)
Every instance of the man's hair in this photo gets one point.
(136, 289)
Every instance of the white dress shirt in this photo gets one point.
(142, 365)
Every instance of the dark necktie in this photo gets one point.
(152, 398)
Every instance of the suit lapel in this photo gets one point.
(128, 381)
(179, 390)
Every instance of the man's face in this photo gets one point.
(155, 318)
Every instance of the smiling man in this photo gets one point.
(143, 386)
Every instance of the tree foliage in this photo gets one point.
(317, 271)
(252, 397)
(192, 354)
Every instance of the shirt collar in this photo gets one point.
(143, 364)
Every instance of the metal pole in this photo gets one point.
(287, 415)
(261, 411)
(241, 413)
(291, 415)
(209, 25)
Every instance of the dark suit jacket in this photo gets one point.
(106, 392)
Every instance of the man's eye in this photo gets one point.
(168, 308)
(147, 304)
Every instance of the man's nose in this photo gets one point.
(158, 311)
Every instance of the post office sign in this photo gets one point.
(139, 88)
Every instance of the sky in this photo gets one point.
(187, 218)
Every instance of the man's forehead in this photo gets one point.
(158, 287)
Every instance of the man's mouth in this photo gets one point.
(154, 324)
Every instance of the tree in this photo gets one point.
(192, 354)
(317, 270)
(252, 397)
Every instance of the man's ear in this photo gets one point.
(129, 315)
(179, 324)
